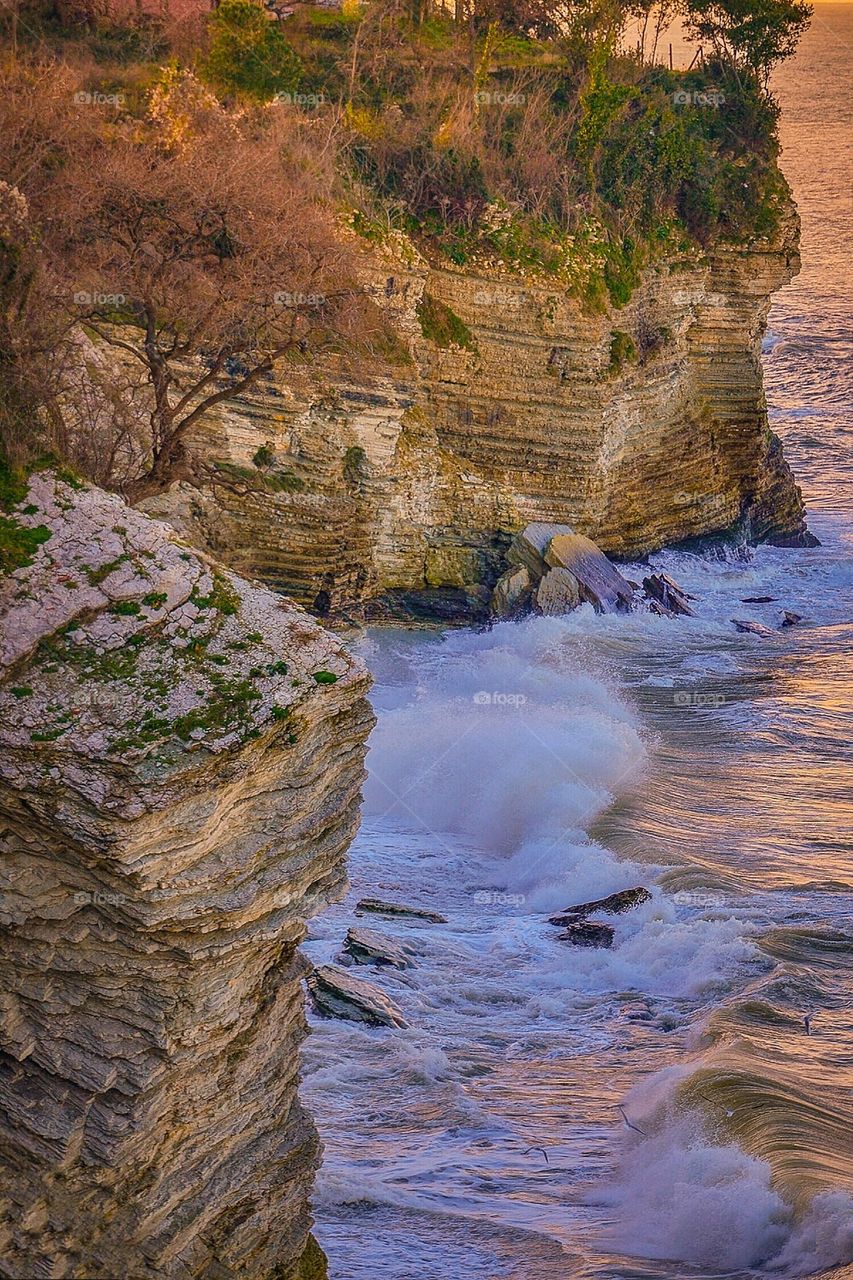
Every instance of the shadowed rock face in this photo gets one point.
(534, 422)
(177, 793)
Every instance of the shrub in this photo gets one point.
(248, 52)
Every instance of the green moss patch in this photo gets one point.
(442, 326)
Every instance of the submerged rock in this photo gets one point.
(757, 599)
(377, 907)
(753, 628)
(368, 946)
(337, 994)
(666, 592)
(613, 904)
(588, 933)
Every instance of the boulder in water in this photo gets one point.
(757, 599)
(613, 904)
(599, 582)
(529, 546)
(377, 907)
(666, 592)
(790, 619)
(368, 946)
(557, 593)
(588, 933)
(337, 994)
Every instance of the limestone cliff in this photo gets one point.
(181, 755)
(640, 426)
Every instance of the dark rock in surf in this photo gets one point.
(335, 993)
(377, 907)
(613, 904)
(757, 599)
(665, 591)
(368, 946)
(790, 619)
(588, 933)
(753, 628)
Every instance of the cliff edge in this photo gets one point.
(181, 756)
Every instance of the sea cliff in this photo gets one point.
(640, 425)
(181, 756)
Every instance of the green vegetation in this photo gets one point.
(125, 608)
(222, 597)
(325, 677)
(443, 326)
(249, 53)
(623, 350)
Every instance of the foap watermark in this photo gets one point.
(701, 898)
(699, 98)
(498, 699)
(496, 298)
(694, 698)
(99, 899)
(495, 98)
(83, 98)
(305, 100)
(285, 299)
(83, 298)
(490, 898)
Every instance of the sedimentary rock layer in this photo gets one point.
(639, 426)
(181, 756)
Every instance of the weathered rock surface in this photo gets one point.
(512, 592)
(462, 448)
(177, 793)
(337, 994)
(368, 946)
(613, 904)
(557, 593)
(588, 933)
(377, 906)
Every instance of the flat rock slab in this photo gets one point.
(613, 904)
(337, 994)
(368, 946)
(599, 582)
(666, 592)
(588, 933)
(379, 908)
(753, 628)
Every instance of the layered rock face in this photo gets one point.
(181, 756)
(639, 427)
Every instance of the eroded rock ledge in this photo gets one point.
(181, 755)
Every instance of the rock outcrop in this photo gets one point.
(564, 569)
(402, 494)
(181, 756)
